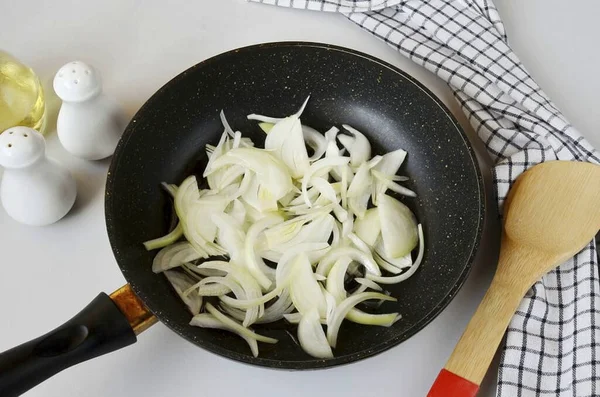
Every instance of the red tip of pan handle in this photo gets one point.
(448, 384)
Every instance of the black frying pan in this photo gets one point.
(165, 142)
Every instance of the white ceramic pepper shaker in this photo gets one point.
(35, 190)
(89, 124)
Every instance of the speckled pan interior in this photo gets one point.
(165, 142)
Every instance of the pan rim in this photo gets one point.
(313, 363)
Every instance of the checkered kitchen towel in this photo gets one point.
(553, 342)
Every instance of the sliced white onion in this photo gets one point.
(344, 307)
(189, 267)
(404, 276)
(389, 165)
(165, 240)
(332, 149)
(317, 231)
(181, 282)
(216, 153)
(299, 212)
(304, 289)
(237, 140)
(398, 227)
(388, 183)
(337, 234)
(198, 226)
(271, 171)
(282, 306)
(359, 191)
(285, 200)
(238, 212)
(323, 164)
(368, 283)
(312, 193)
(312, 337)
(253, 261)
(245, 280)
(174, 255)
(287, 142)
(382, 320)
(399, 263)
(229, 235)
(208, 287)
(206, 320)
(239, 328)
(359, 148)
(230, 175)
(325, 189)
(187, 193)
(335, 278)
(358, 243)
(368, 228)
(294, 318)
(170, 188)
(285, 266)
(331, 304)
(264, 119)
(188, 211)
(257, 196)
(315, 141)
(265, 126)
(355, 254)
(348, 225)
(250, 303)
(385, 265)
(226, 125)
(284, 232)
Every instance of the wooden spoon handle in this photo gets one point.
(448, 384)
(475, 350)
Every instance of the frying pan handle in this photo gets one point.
(101, 327)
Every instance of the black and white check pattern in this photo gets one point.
(553, 342)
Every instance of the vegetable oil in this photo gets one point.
(21, 95)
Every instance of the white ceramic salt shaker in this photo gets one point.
(89, 124)
(35, 190)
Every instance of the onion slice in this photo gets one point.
(344, 307)
(181, 282)
(305, 289)
(287, 142)
(382, 320)
(165, 240)
(239, 328)
(404, 276)
(174, 255)
(326, 163)
(359, 147)
(282, 306)
(398, 227)
(368, 228)
(254, 262)
(207, 320)
(315, 141)
(312, 337)
(355, 254)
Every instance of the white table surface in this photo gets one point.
(50, 273)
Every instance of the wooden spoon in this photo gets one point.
(551, 213)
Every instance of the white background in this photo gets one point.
(48, 274)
